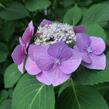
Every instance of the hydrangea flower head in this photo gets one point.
(51, 58)
(91, 49)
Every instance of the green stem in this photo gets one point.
(75, 94)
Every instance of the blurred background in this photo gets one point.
(15, 15)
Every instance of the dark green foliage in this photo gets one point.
(89, 89)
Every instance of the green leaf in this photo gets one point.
(6, 104)
(34, 5)
(85, 2)
(91, 77)
(64, 86)
(73, 15)
(102, 88)
(14, 11)
(3, 52)
(7, 31)
(86, 98)
(67, 3)
(97, 13)
(30, 94)
(3, 95)
(10, 92)
(11, 76)
(95, 29)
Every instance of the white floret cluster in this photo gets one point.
(55, 32)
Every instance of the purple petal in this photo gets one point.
(45, 22)
(31, 67)
(21, 67)
(41, 57)
(18, 54)
(53, 76)
(60, 50)
(86, 58)
(31, 51)
(84, 55)
(43, 78)
(97, 45)
(71, 64)
(82, 41)
(98, 62)
(28, 33)
(79, 29)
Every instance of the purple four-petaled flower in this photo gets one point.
(53, 64)
(91, 49)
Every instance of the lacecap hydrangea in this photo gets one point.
(57, 52)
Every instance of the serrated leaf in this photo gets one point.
(32, 95)
(97, 13)
(34, 5)
(3, 52)
(86, 98)
(11, 76)
(14, 11)
(73, 15)
(91, 77)
(95, 29)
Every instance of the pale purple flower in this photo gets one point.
(91, 49)
(54, 63)
(19, 53)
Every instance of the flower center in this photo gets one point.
(55, 32)
(57, 61)
(89, 50)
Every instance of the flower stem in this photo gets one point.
(75, 94)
